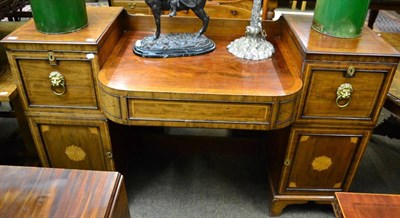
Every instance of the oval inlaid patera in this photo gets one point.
(75, 153)
(321, 163)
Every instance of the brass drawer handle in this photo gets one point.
(57, 83)
(132, 5)
(344, 92)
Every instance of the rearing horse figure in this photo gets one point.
(197, 6)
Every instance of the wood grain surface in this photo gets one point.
(8, 89)
(393, 99)
(313, 42)
(98, 21)
(215, 90)
(366, 205)
(44, 192)
(216, 73)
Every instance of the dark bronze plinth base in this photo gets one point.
(173, 45)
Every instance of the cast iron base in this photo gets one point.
(173, 45)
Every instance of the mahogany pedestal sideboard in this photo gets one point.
(320, 96)
(45, 192)
(366, 205)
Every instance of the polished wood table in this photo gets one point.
(45, 192)
(366, 205)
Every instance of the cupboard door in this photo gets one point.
(322, 160)
(73, 144)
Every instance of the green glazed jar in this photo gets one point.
(340, 18)
(59, 16)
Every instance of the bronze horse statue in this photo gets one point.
(197, 6)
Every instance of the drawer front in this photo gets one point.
(73, 144)
(359, 95)
(322, 160)
(128, 109)
(77, 91)
(198, 111)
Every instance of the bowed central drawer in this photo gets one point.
(198, 111)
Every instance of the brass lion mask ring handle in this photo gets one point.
(343, 94)
(57, 83)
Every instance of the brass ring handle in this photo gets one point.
(344, 92)
(342, 105)
(57, 83)
(55, 89)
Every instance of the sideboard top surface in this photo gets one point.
(369, 43)
(99, 19)
(217, 73)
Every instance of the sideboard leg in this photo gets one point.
(277, 206)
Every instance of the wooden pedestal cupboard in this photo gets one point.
(318, 97)
(56, 76)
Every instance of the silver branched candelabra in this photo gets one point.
(253, 45)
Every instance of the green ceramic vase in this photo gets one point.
(59, 16)
(340, 18)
